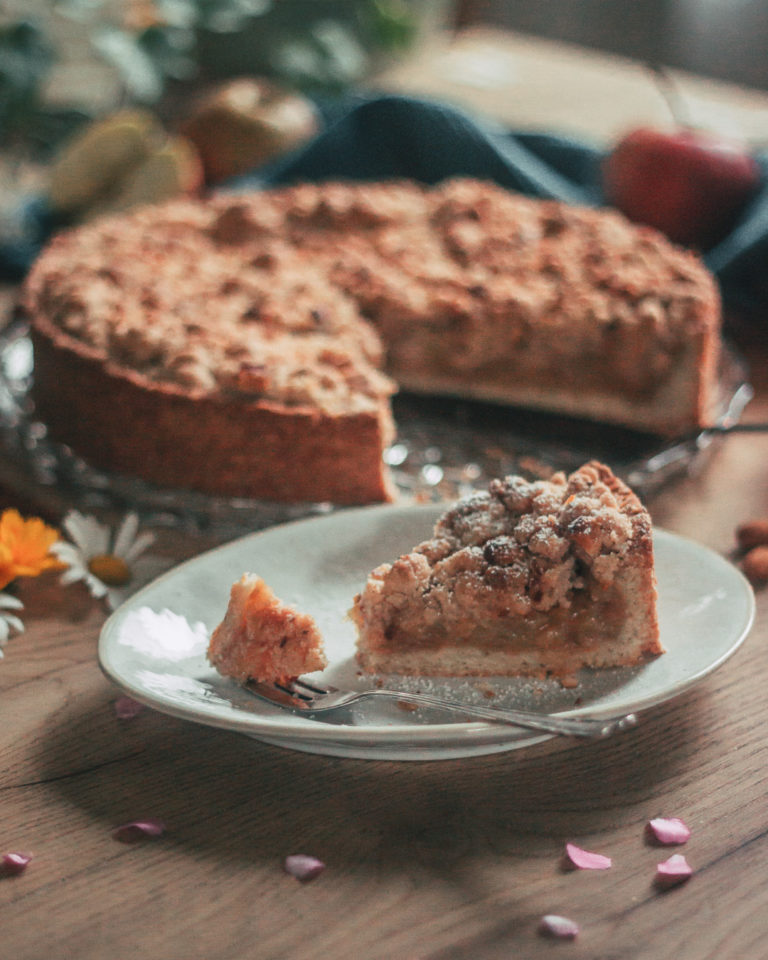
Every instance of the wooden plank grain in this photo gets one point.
(432, 860)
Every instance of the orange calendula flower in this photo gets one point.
(24, 547)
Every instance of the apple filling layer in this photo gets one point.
(529, 578)
(584, 623)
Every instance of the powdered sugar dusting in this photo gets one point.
(163, 634)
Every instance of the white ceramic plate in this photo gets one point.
(154, 645)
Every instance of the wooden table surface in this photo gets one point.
(441, 860)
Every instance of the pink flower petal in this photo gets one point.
(673, 871)
(138, 829)
(126, 708)
(302, 867)
(584, 860)
(668, 831)
(12, 864)
(561, 927)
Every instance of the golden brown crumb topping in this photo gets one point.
(271, 294)
(537, 540)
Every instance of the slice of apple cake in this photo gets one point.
(531, 578)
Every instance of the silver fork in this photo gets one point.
(310, 698)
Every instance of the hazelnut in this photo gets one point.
(755, 564)
(752, 534)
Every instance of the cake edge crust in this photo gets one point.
(260, 449)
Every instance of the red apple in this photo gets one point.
(690, 184)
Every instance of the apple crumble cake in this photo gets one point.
(248, 345)
(528, 578)
(263, 639)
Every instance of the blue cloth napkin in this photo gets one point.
(389, 136)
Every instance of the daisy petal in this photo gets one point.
(66, 552)
(126, 534)
(584, 860)
(138, 547)
(9, 622)
(72, 575)
(97, 588)
(7, 602)
(90, 536)
(115, 598)
(73, 523)
(14, 623)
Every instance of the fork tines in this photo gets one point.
(303, 690)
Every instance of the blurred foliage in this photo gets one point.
(25, 60)
(26, 57)
(318, 46)
(311, 44)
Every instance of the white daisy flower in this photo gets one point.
(106, 563)
(9, 622)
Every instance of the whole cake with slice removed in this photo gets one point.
(529, 578)
(263, 639)
(248, 345)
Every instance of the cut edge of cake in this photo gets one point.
(687, 400)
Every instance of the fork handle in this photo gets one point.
(588, 727)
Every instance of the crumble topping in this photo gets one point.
(537, 540)
(276, 295)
